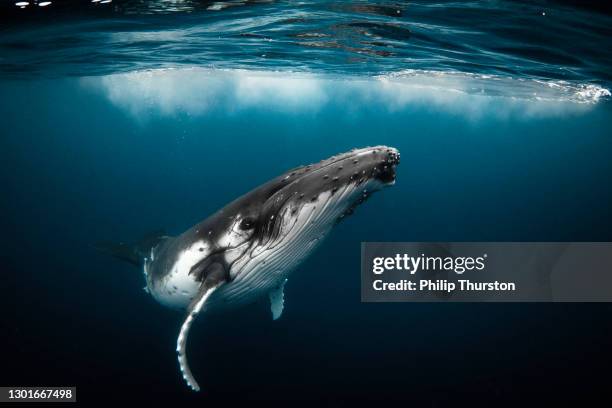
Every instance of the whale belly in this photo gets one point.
(269, 266)
(245, 291)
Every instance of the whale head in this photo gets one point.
(272, 228)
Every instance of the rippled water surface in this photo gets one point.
(558, 44)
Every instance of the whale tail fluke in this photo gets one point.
(133, 253)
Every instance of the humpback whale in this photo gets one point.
(247, 249)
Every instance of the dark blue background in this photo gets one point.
(75, 170)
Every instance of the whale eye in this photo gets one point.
(247, 223)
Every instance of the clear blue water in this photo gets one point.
(126, 117)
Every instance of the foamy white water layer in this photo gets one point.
(495, 85)
(197, 91)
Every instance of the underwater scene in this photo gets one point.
(126, 125)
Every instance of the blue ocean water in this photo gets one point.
(125, 117)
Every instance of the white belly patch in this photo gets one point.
(178, 288)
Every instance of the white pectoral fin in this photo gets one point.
(277, 300)
(192, 312)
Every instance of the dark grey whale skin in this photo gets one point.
(260, 208)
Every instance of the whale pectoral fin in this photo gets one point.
(134, 253)
(277, 300)
(212, 282)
